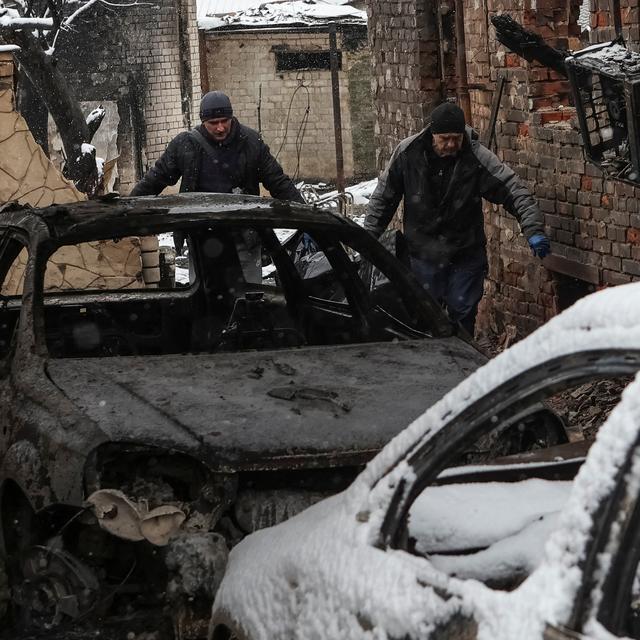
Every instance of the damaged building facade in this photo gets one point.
(141, 62)
(274, 62)
(593, 221)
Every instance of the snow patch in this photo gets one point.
(302, 12)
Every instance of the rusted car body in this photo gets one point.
(144, 432)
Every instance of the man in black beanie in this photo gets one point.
(443, 173)
(220, 156)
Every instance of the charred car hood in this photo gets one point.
(313, 406)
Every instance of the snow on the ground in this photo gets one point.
(361, 192)
(301, 12)
(181, 273)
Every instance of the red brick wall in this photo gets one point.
(594, 224)
(591, 221)
(406, 81)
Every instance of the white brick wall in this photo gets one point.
(238, 63)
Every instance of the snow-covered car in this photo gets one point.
(426, 543)
(145, 430)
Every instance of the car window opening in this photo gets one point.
(490, 512)
(218, 289)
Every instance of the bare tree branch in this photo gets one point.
(55, 13)
(34, 26)
(11, 20)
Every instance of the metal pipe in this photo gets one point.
(614, 9)
(337, 115)
(441, 45)
(461, 63)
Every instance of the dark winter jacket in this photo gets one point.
(252, 164)
(438, 231)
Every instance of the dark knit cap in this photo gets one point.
(447, 118)
(215, 104)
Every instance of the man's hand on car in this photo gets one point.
(540, 245)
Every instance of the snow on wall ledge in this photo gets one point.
(297, 12)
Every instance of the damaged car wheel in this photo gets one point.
(55, 588)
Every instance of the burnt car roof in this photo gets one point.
(97, 217)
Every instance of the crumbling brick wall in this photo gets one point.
(593, 223)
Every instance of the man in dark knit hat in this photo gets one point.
(221, 156)
(443, 173)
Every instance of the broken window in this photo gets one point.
(305, 60)
(606, 85)
(461, 518)
(13, 282)
(236, 289)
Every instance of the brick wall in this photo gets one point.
(602, 29)
(594, 223)
(406, 82)
(243, 64)
(145, 58)
(591, 221)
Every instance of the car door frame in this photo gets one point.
(522, 392)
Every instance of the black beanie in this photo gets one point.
(215, 104)
(447, 118)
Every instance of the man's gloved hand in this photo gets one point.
(540, 245)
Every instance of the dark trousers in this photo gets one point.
(457, 285)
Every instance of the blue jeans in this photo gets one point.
(456, 285)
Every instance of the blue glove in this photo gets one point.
(540, 245)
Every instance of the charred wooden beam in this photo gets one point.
(528, 45)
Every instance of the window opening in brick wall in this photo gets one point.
(570, 290)
(305, 60)
(606, 86)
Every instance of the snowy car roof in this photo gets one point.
(221, 14)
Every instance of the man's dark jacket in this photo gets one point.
(439, 231)
(184, 158)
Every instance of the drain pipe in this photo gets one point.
(461, 62)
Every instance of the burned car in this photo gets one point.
(428, 544)
(146, 430)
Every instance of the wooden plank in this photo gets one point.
(584, 272)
